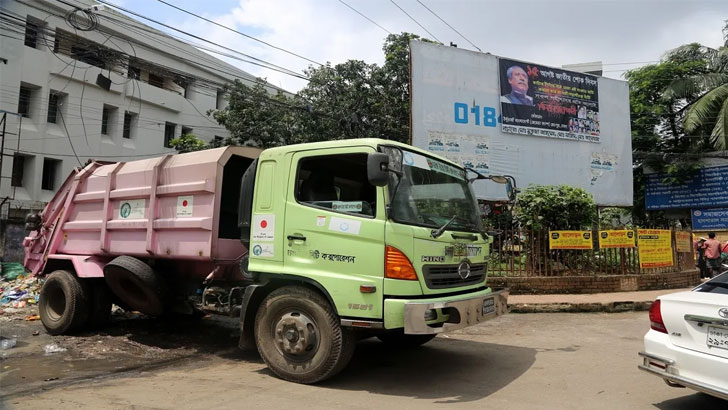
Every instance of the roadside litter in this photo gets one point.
(16, 289)
(7, 343)
(53, 348)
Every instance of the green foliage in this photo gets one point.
(543, 207)
(613, 218)
(187, 143)
(348, 100)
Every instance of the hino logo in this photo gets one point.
(723, 312)
(464, 270)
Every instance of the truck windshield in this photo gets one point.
(430, 192)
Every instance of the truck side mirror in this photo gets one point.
(378, 168)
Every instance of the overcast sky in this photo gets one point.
(623, 34)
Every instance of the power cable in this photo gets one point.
(413, 19)
(448, 24)
(361, 14)
(238, 32)
(60, 112)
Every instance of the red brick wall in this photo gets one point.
(596, 284)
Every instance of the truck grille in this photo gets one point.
(446, 276)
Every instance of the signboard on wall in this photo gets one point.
(683, 241)
(706, 189)
(710, 219)
(570, 240)
(655, 248)
(548, 102)
(462, 109)
(616, 239)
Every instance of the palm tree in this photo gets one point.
(705, 94)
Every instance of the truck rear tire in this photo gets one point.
(62, 305)
(299, 336)
(137, 285)
(401, 340)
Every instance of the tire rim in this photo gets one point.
(56, 303)
(296, 336)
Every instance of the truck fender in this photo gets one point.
(254, 295)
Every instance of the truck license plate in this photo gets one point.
(489, 306)
(717, 337)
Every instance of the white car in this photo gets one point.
(687, 344)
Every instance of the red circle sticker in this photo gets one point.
(263, 223)
(184, 203)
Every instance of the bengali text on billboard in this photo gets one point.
(548, 102)
(616, 239)
(570, 240)
(655, 248)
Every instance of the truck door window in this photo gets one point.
(337, 183)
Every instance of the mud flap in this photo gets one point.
(247, 316)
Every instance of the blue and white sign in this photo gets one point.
(715, 219)
(707, 189)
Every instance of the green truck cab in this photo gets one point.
(357, 238)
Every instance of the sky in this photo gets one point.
(623, 34)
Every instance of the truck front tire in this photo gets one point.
(62, 305)
(299, 336)
(137, 285)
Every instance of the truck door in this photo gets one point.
(334, 228)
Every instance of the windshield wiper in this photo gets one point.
(436, 233)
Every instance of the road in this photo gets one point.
(520, 361)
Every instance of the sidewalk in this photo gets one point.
(595, 302)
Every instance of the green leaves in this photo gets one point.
(544, 207)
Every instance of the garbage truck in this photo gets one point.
(313, 246)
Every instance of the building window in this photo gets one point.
(169, 133)
(156, 80)
(55, 101)
(186, 130)
(129, 119)
(220, 100)
(134, 72)
(107, 119)
(50, 170)
(24, 100)
(32, 31)
(18, 169)
(217, 141)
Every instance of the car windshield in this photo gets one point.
(718, 284)
(430, 193)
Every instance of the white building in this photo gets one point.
(118, 91)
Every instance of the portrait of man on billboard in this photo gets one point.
(518, 80)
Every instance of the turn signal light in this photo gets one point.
(656, 322)
(397, 266)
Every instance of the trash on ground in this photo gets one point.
(32, 317)
(7, 343)
(12, 270)
(36, 333)
(18, 291)
(53, 348)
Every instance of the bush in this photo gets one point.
(562, 207)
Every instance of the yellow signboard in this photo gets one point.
(683, 241)
(570, 240)
(616, 239)
(655, 248)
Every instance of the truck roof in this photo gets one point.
(354, 142)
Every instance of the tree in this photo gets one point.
(348, 100)
(550, 207)
(187, 143)
(705, 93)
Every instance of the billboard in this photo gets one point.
(710, 219)
(706, 189)
(576, 132)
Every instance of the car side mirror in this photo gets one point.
(378, 168)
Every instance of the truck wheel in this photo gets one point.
(136, 284)
(62, 304)
(299, 336)
(99, 301)
(401, 340)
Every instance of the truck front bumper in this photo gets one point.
(459, 311)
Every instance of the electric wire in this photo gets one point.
(362, 14)
(448, 24)
(417, 22)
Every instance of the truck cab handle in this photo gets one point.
(466, 237)
(296, 238)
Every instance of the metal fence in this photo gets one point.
(521, 252)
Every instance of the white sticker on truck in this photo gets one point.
(348, 206)
(344, 225)
(132, 209)
(264, 227)
(185, 205)
(262, 250)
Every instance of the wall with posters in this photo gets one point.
(542, 125)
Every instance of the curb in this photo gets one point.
(610, 307)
